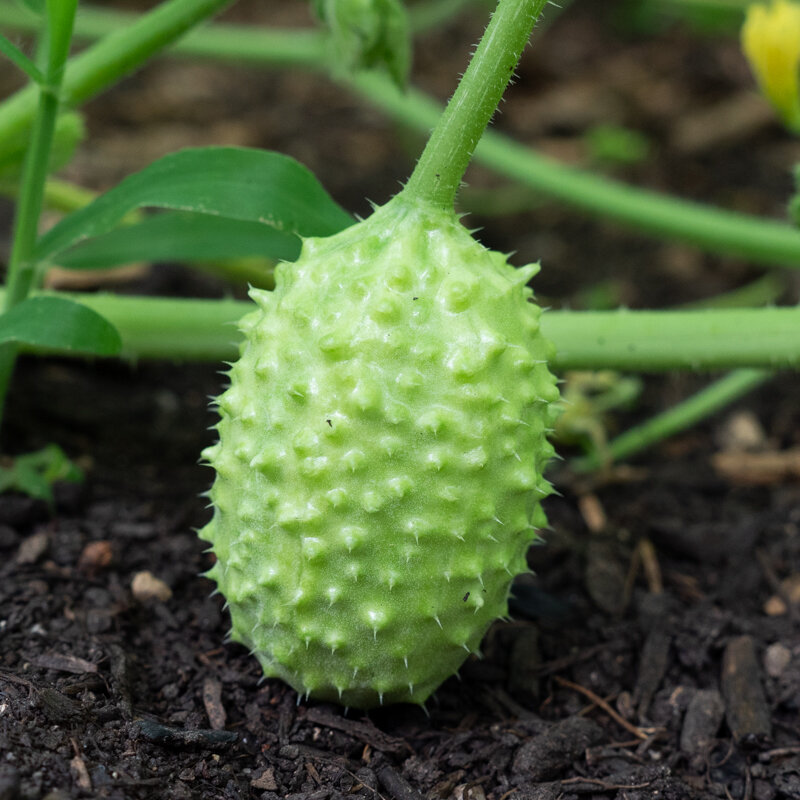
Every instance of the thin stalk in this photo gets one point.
(441, 166)
(60, 15)
(21, 267)
(716, 396)
(103, 64)
(651, 341)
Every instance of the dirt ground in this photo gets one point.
(656, 652)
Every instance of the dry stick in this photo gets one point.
(641, 733)
(603, 784)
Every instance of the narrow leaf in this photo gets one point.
(14, 54)
(239, 183)
(176, 236)
(59, 325)
(36, 6)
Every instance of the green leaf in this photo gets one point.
(369, 33)
(238, 183)
(36, 6)
(59, 325)
(35, 473)
(16, 56)
(177, 236)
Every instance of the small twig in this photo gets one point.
(641, 733)
(778, 752)
(11, 678)
(361, 784)
(725, 758)
(748, 784)
(652, 569)
(605, 786)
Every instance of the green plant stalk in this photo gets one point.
(715, 230)
(447, 154)
(663, 340)
(679, 417)
(119, 53)
(21, 268)
(651, 341)
(21, 265)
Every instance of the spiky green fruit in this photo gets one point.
(379, 467)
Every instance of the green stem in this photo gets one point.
(679, 417)
(60, 15)
(171, 328)
(650, 341)
(664, 340)
(21, 267)
(101, 65)
(441, 166)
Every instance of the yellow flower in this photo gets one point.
(771, 42)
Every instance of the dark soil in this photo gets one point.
(656, 654)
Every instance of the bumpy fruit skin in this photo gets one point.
(379, 467)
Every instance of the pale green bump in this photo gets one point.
(400, 277)
(378, 470)
(336, 496)
(388, 308)
(354, 459)
(372, 501)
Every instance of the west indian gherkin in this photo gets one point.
(380, 457)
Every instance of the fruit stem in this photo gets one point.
(444, 160)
